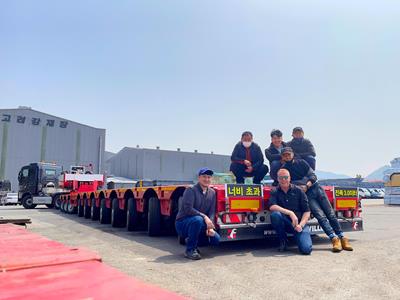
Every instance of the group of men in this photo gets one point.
(295, 196)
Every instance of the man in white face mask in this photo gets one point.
(248, 160)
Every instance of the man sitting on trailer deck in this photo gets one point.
(195, 219)
(290, 213)
(248, 160)
(303, 176)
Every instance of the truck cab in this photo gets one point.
(38, 182)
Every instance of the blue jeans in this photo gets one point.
(322, 209)
(310, 160)
(283, 224)
(194, 229)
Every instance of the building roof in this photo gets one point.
(53, 116)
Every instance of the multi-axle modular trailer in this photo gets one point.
(241, 210)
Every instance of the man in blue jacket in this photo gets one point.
(248, 160)
(302, 147)
(273, 152)
(196, 216)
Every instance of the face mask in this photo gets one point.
(246, 144)
(299, 139)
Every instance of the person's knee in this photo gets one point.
(305, 249)
(276, 216)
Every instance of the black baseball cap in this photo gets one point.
(206, 171)
(286, 150)
(298, 128)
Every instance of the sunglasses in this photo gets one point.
(283, 177)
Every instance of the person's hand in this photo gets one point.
(304, 188)
(209, 223)
(298, 228)
(294, 219)
(249, 169)
(247, 163)
(210, 232)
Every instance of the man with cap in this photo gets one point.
(290, 213)
(195, 219)
(302, 147)
(248, 160)
(273, 152)
(303, 176)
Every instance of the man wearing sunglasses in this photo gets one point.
(290, 213)
(303, 176)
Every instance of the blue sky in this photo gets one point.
(195, 74)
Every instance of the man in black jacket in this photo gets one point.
(248, 160)
(303, 176)
(273, 152)
(302, 147)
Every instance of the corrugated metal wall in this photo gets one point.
(154, 164)
(29, 136)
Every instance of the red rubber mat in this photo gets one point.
(33, 267)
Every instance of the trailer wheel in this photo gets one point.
(57, 201)
(95, 211)
(154, 217)
(105, 213)
(27, 202)
(70, 209)
(86, 210)
(132, 217)
(63, 206)
(118, 218)
(80, 208)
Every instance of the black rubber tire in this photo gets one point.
(64, 206)
(132, 216)
(118, 218)
(70, 209)
(61, 206)
(154, 217)
(80, 208)
(105, 213)
(27, 202)
(94, 211)
(57, 201)
(86, 209)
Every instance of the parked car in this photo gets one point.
(374, 193)
(364, 193)
(9, 199)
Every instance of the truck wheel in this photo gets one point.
(86, 210)
(64, 206)
(105, 213)
(132, 217)
(154, 217)
(95, 211)
(57, 202)
(80, 208)
(118, 217)
(69, 208)
(27, 202)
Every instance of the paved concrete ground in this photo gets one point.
(238, 270)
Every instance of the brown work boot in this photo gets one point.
(346, 244)
(336, 245)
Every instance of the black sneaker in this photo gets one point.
(192, 254)
(282, 246)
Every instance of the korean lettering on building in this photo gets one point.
(34, 121)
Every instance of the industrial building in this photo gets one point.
(27, 136)
(156, 164)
